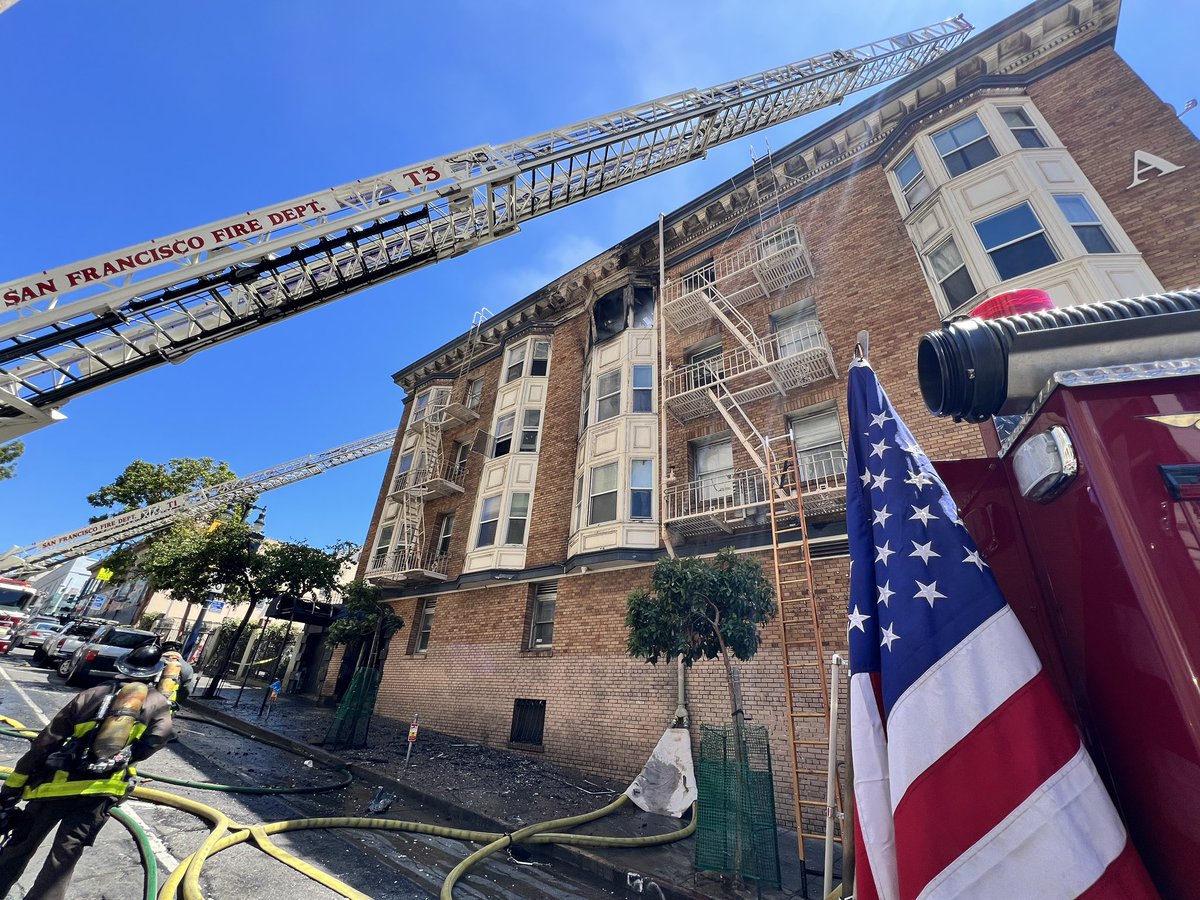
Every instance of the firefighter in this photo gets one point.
(79, 768)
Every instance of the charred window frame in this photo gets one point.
(628, 306)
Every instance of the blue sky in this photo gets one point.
(137, 119)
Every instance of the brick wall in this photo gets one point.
(1102, 112)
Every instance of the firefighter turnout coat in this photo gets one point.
(78, 720)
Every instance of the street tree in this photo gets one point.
(235, 561)
(363, 615)
(143, 484)
(702, 609)
(8, 455)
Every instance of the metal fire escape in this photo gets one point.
(138, 523)
(423, 473)
(73, 329)
(783, 487)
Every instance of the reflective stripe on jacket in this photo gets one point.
(61, 784)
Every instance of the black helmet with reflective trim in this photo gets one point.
(142, 663)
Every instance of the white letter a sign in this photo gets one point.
(1143, 162)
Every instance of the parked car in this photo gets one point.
(34, 630)
(63, 644)
(98, 657)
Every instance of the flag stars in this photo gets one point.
(928, 592)
(882, 553)
(885, 592)
(878, 420)
(889, 637)
(877, 449)
(975, 559)
(865, 478)
(918, 479)
(923, 514)
(856, 620)
(881, 517)
(878, 481)
(924, 551)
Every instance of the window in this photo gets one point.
(530, 425)
(541, 633)
(1016, 241)
(428, 402)
(609, 315)
(406, 461)
(462, 452)
(541, 358)
(964, 146)
(951, 273)
(587, 404)
(514, 368)
(820, 450)
(474, 392)
(578, 503)
(445, 533)
(643, 389)
(489, 515)
(777, 241)
(712, 463)
(796, 328)
(641, 488)
(518, 518)
(383, 544)
(1081, 217)
(643, 307)
(912, 180)
(706, 366)
(604, 495)
(426, 624)
(1022, 127)
(608, 395)
(504, 430)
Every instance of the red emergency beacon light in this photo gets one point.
(1013, 303)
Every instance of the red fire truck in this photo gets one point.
(16, 599)
(1087, 508)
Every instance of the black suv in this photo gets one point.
(98, 657)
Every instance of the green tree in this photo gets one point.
(363, 615)
(701, 609)
(8, 455)
(233, 560)
(144, 484)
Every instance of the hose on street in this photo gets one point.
(225, 833)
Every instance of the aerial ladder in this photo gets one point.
(138, 523)
(72, 329)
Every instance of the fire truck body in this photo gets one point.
(1090, 520)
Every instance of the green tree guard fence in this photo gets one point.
(736, 833)
(353, 716)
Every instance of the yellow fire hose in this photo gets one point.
(225, 834)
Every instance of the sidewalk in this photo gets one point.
(476, 786)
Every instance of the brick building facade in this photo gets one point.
(548, 456)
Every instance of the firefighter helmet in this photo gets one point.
(142, 663)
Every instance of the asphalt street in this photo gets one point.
(380, 864)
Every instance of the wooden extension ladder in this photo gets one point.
(805, 668)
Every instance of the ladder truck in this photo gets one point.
(75, 328)
(138, 523)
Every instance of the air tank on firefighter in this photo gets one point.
(123, 713)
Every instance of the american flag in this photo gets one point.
(970, 780)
